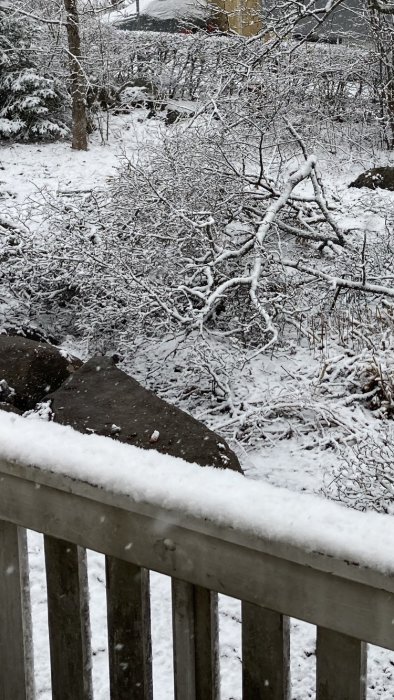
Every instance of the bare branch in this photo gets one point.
(338, 282)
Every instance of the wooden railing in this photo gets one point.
(350, 604)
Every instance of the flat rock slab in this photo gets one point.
(376, 177)
(28, 370)
(100, 398)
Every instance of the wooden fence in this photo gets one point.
(349, 604)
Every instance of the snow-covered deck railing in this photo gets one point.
(282, 554)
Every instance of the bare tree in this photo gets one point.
(78, 82)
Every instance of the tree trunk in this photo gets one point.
(78, 83)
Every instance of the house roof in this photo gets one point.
(163, 10)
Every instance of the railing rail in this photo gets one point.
(349, 603)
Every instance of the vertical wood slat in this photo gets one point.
(206, 631)
(341, 666)
(27, 614)
(196, 642)
(16, 648)
(129, 630)
(68, 620)
(265, 654)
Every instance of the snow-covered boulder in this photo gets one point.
(28, 370)
(376, 177)
(9, 408)
(100, 398)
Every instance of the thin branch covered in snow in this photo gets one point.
(364, 477)
(338, 282)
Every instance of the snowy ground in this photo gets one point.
(26, 171)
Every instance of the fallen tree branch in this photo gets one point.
(338, 282)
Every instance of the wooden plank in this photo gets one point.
(341, 667)
(183, 640)
(196, 645)
(265, 654)
(68, 620)
(229, 563)
(16, 649)
(206, 639)
(27, 613)
(129, 631)
(351, 569)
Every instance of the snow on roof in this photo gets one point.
(222, 497)
(163, 9)
(176, 9)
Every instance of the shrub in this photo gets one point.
(32, 106)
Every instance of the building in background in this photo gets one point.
(238, 16)
(244, 17)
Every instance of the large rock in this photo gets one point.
(376, 177)
(100, 398)
(9, 408)
(28, 370)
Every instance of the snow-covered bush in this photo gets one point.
(32, 105)
(364, 477)
(171, 65)
(326, 87)
(192, 239)
(366, 377)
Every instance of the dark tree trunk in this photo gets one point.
(78, 83)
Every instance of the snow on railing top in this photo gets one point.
(224, 498)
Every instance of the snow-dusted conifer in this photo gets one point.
(32, 105)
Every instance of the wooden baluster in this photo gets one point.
(206, 631)
(129, 631)
(68, 620)
(340, 666)
(196, 645)
(16, 649)
(265, 654)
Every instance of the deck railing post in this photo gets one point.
(265, 654)
(196, 646)
(341, 666)
(68, 620)
(16, 649)
(129, 631)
